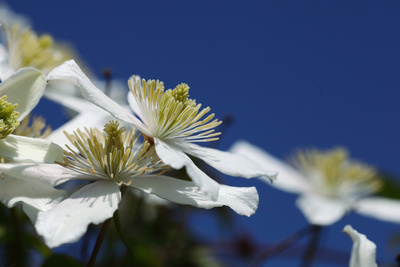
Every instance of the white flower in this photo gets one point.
(25, 88)
(114, 160)
(363, 253)
(172, 122)
(329, 184)
(24, 48)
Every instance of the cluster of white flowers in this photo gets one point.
(161, 130)
(160, 133)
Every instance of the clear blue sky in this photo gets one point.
(293, 74)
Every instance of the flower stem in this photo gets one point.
(99, 241)
(283, 245)
(312, 246)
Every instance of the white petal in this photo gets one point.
(289, 179)
(229, 163)
(75, 103)
(5, 69)
(69, 71)
(30, 149)
(51, 174)
(243, 200)
(25, 88)
(379, 208)
(177, 159)
(363, 253)
(320, 210)
(68, 221)
(134, 105)
(32, 192)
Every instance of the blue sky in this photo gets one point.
(293, 74)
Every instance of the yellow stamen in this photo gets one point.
(118, 156)
(334, 174)
(170, 114)
(36, 129)
(27, 49)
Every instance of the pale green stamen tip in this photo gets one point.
(114, 135)
(45, 41)
(181, 92)
(8, 117)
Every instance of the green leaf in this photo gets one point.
(390, 185)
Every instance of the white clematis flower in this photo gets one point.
(24, 88)
(22, 47)
(363, 253)
(329, 184)
(172, 122)
(111, 161)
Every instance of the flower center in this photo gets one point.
(117, 156)
(27, 49)
(8, 117)
(335, 175)
(170, 115)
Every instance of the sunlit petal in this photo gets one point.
(32, 192)
(243, 200)
(30, 149)
(174, 157)
(25, 88)
(67, 222)
(229, 163)
(70, 72)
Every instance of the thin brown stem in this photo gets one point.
(280, 247)
(99, 241)
(309, 254)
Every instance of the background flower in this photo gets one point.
(329, 183)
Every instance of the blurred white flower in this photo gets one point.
(111, 161)
(22, 47)
(172, 122)
(363, 253)
(329, 184)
